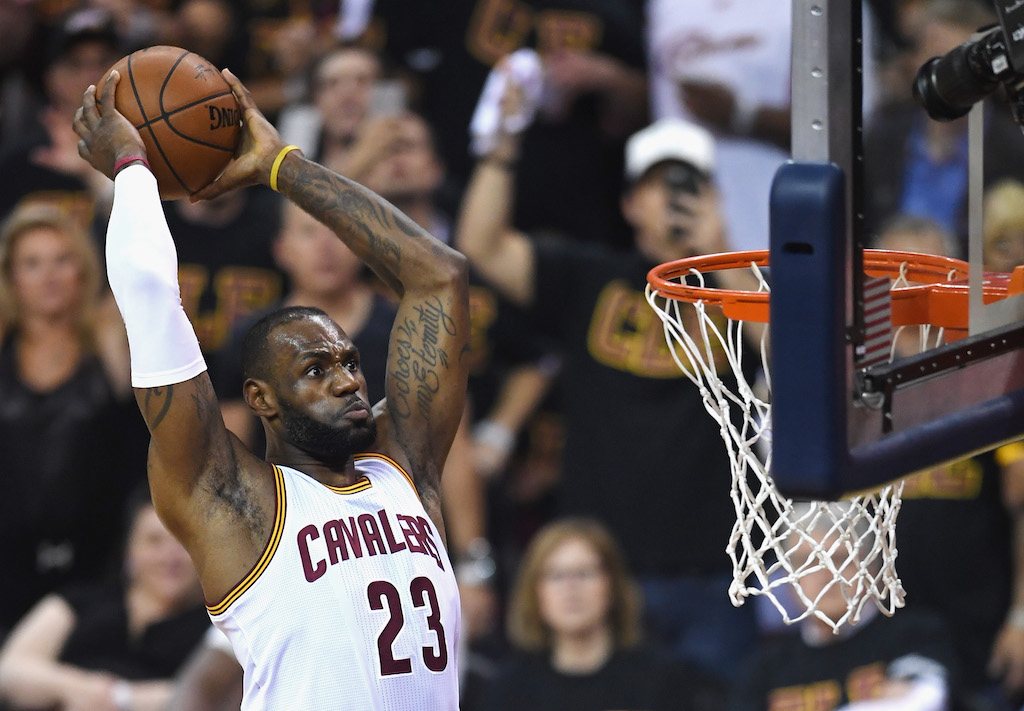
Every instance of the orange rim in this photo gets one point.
(938, 293)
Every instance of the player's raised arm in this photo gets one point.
(189, 443)
(427, 374)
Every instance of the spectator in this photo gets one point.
(103, 647)
(211, 679)
(917, 166)
(909, 233)
(569, 177)
(903, 663)
(725, 65)
(574, 618)
(338, 129)
(617, 368)
(226, 269)
(46, 161)
(977, 588)
(68, 439)
(1004, 226)
(19, 102)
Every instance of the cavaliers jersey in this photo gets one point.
(353, 603)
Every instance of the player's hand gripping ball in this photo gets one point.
(185, 112)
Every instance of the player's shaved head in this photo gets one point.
(257, 355)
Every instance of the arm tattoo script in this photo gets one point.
(419, 358)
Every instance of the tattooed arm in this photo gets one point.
(204, 483)
(426, 380)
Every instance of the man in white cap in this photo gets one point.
(640, 454)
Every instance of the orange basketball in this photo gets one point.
(185, 112)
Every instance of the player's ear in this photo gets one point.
(260, 398)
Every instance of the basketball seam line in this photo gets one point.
(152, 133)
(164, 116)
(160, 99)
(160, 103)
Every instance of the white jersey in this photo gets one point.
(353, 604)
(745, 45)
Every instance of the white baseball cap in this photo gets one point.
(669, 139)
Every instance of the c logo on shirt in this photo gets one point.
(625, 334)
(237, 291)
(499, 27)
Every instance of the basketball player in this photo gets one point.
(324, 565)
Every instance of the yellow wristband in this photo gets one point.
(1010, 454)
(277, 165)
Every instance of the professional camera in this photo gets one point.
(948, 86)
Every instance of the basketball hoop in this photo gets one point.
(777, 545)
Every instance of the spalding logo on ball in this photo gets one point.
(185, 112)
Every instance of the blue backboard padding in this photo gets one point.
(808, 302)
(810, 356)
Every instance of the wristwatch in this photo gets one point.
(476, 565)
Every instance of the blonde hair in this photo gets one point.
(34, 216)
(527, 629)
(1004, 208)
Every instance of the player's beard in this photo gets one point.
(330, 444)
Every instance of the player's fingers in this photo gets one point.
(79, 125)
(214, 189)
(83, 149)
(242, 95)
(109, 88)
(89, 112)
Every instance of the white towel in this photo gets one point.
(524, 68)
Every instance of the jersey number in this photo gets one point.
(381, 592)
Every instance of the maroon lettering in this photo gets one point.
(411, 531)
(423, 595)
(335, 546)
(313, 573)
(371, 534)
(377, 592)
(427, 533)
(393, 545)
(351, 533)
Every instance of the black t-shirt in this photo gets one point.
(68, 458)
(631, 679)
(101, 641)
(641, 453)
(958, 510)
(501, 339)
(570, 176)
(789, 675)
(227, 272)
(26, 180)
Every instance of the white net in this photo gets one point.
(823, 559)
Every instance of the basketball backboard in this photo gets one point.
(840, 424)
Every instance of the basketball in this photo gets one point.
(184, 111)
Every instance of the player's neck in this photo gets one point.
(337, 474)
(583, 653)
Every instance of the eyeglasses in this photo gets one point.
(583, 574)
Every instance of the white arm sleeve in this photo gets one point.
(142, 267)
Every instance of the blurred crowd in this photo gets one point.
(565, 147)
